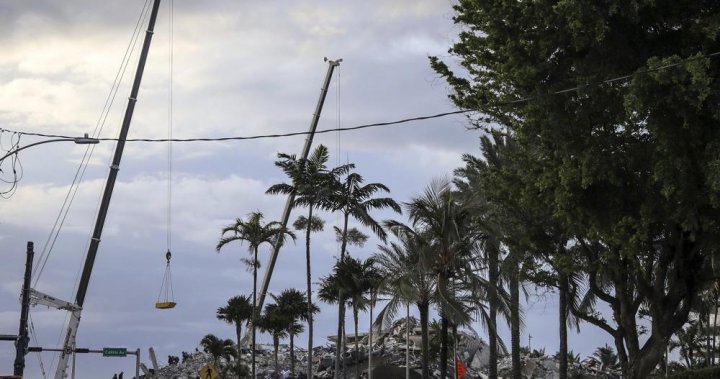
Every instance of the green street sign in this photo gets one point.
(114, 352)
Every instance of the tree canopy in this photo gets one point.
(613, 106)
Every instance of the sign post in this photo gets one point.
(114, 352)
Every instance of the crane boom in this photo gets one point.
(105, 202)
(288, 204)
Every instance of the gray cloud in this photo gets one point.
(241, 68)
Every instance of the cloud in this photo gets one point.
(240, 69)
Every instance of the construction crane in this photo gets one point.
(288, 204)
(76, 308)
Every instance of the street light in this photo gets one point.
(85, 140)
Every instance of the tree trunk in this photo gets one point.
(714, 330)
(492, 297)
(424, 309)
(254, 311)
(357, 344)
(708, 334)
(515, 322)
(238, 334)
(443, 347)
(276, 344)
(309, 294)
(562, 321)
(642, 366)
(338, 343)
(341, 300)
(292, 355)
(454, 352)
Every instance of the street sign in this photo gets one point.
(208, 372)
(114, 352)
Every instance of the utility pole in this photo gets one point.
(21, 344)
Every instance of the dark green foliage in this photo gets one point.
(614, 108)
(406, 280)
(238, 310)
(255, 233)
(218, 348)
(291, 303)
(311, 186)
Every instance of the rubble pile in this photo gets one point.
(388, 351)
(533, 367)
(187, 369)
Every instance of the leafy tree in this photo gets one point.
(607, 357)
(445, 224)
(353, 199)
(407, 281)
(351, 280)
(311, 186)
(291, 303)
(238, 310)
(217, 348)
(690, 341)
(255, 233)
(275, 322)
(535, 241)
(614, 106)
(476, 184)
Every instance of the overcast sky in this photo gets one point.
(239, 69)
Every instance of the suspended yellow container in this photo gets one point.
(165, 305)
(166, 292)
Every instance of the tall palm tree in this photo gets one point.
(311, 185)
(353, 199)
(407, 281)
(476, 182)
(217, 348)
(255, 233)
(291, 303)
(445, 223)
(238, 310)
(275, 322)
(332, 290)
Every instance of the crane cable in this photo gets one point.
(79, 174)
(166, 293)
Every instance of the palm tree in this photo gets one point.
(477, 183)
(353, 199)
(217, 348)
(332, 290)
(275, 322)
(238, 310)
(445, 223)
(311, 186)
(255, 233)
(407, 281)
(291, 303)
(607, 357)
(350, 281)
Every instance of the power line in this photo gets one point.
(391, 123)
(261, 136)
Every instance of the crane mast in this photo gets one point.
(76, 311)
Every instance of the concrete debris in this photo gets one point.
(388, 357)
